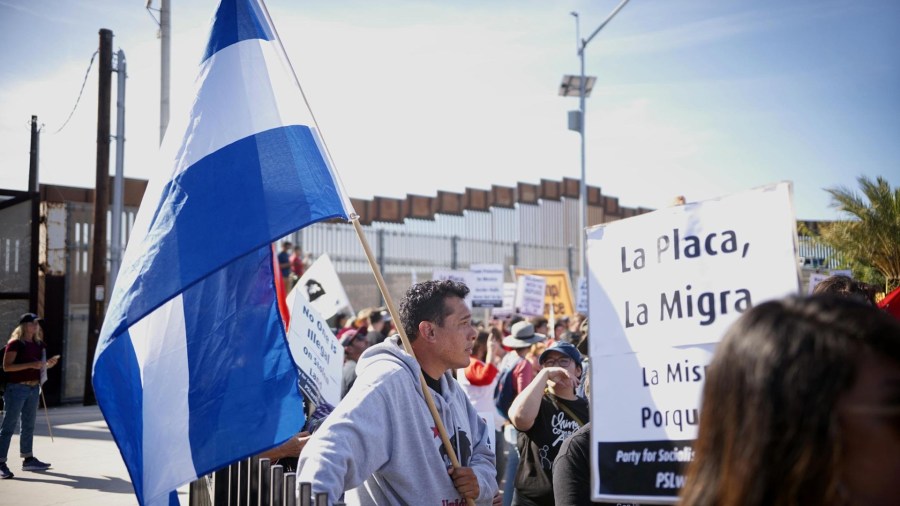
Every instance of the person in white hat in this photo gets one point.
(521, 372)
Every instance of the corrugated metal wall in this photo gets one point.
(531, 236)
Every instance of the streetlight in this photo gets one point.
(581, 86)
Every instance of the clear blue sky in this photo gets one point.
(694, 97)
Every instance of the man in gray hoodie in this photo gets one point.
(380, 444)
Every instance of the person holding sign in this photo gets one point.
(800, 406)
(546, 413)
(380, 444)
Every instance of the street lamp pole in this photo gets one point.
(581, 44)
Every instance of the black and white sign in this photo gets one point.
(663, 288)
(487, 285)
(530, 295)
(318, 355)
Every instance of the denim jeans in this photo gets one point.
(19, 400)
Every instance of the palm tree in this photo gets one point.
(870, 237)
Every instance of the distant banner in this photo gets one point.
(318, 355)
(487, 285)
(321, 286)
(663, 288)
(558, 291)
(530, 295)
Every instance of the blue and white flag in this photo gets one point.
(192, 370)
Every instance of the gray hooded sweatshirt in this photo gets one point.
(380, 444)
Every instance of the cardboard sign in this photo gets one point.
(663, 289)
(558, 291)
(318, 355)
(530, 295)
(487, 285)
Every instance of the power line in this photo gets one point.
(86, 74)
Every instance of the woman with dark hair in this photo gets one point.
(801, 406)
(847, 287)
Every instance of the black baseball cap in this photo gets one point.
(28, 318)
(564, 348)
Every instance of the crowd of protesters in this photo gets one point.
(799, 407)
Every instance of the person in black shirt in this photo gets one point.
(546, 413)
(571, 470)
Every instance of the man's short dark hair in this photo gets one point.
(425, 302)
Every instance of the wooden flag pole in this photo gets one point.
(395, 316)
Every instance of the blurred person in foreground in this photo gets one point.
(801, 407)
(380, 443)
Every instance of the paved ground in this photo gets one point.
(87, 467)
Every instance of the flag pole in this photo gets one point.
(47, 415)
(389, 302)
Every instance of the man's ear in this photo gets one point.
(426, 330)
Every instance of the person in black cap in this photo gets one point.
(23, 363)
(354, 343)
(546, 413)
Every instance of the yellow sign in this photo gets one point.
(558, 292)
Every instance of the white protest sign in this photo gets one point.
(487, 285)
(582, 302)
(663, 288)
(509, 295)
(529, 299)
(841, 272)
(318, 355)
(322, 287)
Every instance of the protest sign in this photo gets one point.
(487, 285)
(321, 286)
(318, 355)
(558, 292)
(663, 288)
(529, 299)
(814, 279)
(581, 304)
(509, 296)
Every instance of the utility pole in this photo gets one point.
(165, 39)
(97, 296)
(115, 236)
(584, 89)
(33, 189)
(165, 44)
